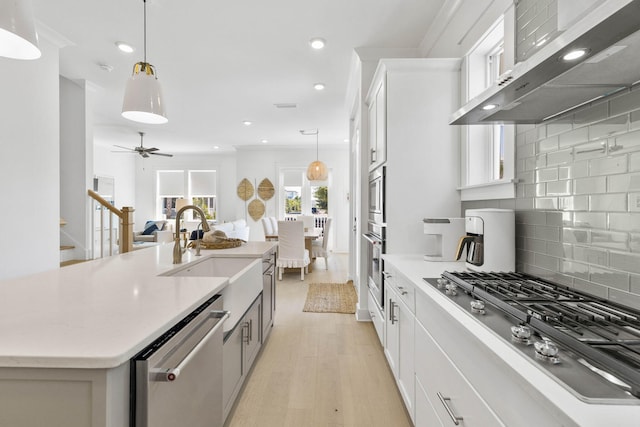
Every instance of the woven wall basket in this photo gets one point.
(245, 189)
(266, 189)
(256, 209)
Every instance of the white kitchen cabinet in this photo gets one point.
(450, 395)
(410, 100)
(239, 352)
(426, 415)
(400, 337)
(377, 126)
(376, 315)
(268, 292)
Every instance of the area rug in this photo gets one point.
(331, 298)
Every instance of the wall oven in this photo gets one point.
(376, 196)
(375, 238)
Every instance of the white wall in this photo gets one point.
(29, 164)
(76, 165)
(120, 167)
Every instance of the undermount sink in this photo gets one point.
(245, 281)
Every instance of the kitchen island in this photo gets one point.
(488, 381)
(68, 334)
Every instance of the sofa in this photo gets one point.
(237, 229)
(154, 232)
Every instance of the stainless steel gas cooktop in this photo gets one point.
(589, 345)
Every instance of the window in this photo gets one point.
(170, 188)
(301, 196)
(199, 188)
(487, 150)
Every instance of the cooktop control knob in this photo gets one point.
(451, 289)
(521, 334)
(547, 351)
(441, 282)
(477, 306)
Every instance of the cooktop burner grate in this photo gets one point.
(604, 333)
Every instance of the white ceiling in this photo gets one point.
(223, 62)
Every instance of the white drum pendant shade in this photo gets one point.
(317, 171)
(18, 37)
(143, 96)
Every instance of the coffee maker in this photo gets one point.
(442, 237)
(489, 240)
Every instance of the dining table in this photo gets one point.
(311, 234)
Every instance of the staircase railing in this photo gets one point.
(125, 224)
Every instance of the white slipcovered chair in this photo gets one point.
(309, 221)
(269, 232)
(291, 251)
(319, 247)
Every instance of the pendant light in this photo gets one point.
(317, 171)
(143, 95)
(18, 37)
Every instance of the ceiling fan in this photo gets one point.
(144, 152)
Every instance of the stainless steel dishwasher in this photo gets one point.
(177, 379)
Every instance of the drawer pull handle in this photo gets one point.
(444, 400)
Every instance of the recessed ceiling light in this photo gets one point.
(215, 147)
(490, 106)
(574, 54)
(125, 47)
(318, 86)
(264, 141)
(317, 43)
(247, 123)
(345, 140)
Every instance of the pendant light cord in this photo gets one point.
(145, 30)
(317, 136)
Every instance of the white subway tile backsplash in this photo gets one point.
(609, 127)
(624, 183)
(624, 221)
(627, 143)
(548, 144)
(546, 175)
(608, 165)
(546, 203)
(625, 261)
(579, 169)
(572, 235)
(560, 157)
(590, 220)
(634, 242)
(609, 278)
(591, 255)
(590, 185)
(551, 234)
(591, 288)
(610, 239)
(608, 202)
(634, 202)
(634, 162)
(575, 269)
(559, 188)
(558, 127)
(624, 298)
(573, 203)
(574, 137)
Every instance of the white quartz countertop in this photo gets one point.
(584, 414)
(100, 313)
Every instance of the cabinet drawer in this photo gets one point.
(468, 353)
(404, 287)
(377, 317)
(446, 389)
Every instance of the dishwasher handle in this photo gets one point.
(169, 375)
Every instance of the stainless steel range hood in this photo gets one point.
(544, 85)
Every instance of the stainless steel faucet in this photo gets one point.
(178, 250)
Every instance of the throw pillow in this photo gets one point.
(150, 229)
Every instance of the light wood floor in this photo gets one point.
(319, 369)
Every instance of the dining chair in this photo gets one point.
(269, 233)
(274, 225)
(319, 247)
(291, 250)
(309, 221)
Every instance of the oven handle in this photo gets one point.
(372, 240)
(169, 375)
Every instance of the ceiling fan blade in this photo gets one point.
(143, 154)
(162, 154)
(124, 148)
(123, 152)
(151, 149)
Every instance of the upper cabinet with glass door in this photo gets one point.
(487, 154)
